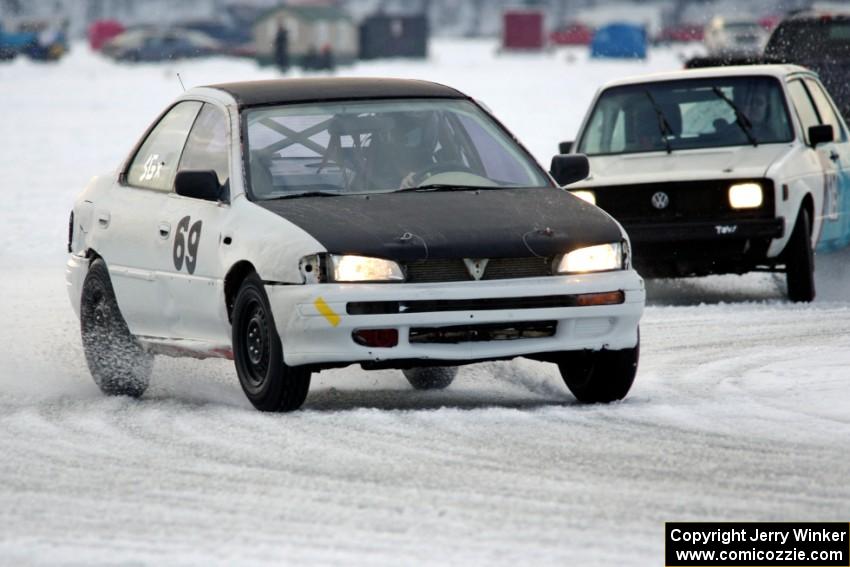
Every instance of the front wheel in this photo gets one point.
(800, 261)
(600, 376)
(118, 364)
(431, 378)
(269, 384)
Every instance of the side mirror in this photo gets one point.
(565, 147)
(198, 185)
(821, 134)
(569, 169)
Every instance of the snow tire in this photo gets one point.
(800, 261)
(117, 362)
(600, 376)
(267, 381)
(431, 378)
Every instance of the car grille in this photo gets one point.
(454, 270)
(480, 333)
(687, 201)
(428, 271)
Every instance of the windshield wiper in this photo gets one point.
(663, 125)
(435, 187)
(741, 119)
(309, 194)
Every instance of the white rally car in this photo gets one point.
(721, 170)
(299, 225)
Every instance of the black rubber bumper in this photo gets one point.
(718, 230)
(704, 247)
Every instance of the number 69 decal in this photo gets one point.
(186, 244)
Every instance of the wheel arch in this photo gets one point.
(233, 281)
(93, 255)
(808, 204)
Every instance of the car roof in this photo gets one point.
(778, 71)
(283, 91)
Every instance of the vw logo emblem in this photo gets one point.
(660, 200)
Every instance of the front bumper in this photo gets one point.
(76, 269)
(316, 327)
(719, 229)
(717, 246)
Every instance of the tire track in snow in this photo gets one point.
(502, 467)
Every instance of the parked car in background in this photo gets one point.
(12, 43)
(232, 39)
(721, 170)
(307, 224)
(40, 40)
(726, 37)
(681, 33)
(160, 44)
(572, 34)
(819, 40)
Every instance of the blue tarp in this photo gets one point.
(619, 40)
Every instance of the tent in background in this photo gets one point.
(626, 41)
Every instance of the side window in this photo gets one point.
(606, 132)
(155, 164)
(825, 109)
(618, 134)
(805, 110)
(593, 134)
(207, 148)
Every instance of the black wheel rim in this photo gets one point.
(255, 344)
(101, 313)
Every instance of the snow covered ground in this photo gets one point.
(739, 411)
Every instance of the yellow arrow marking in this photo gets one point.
(325, 309)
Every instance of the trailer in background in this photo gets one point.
(383, 35)
(523, 30)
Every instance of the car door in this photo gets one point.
(836, 210)
(190, 258)
(126, 224)
(824, 182)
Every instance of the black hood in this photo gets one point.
(496, 223)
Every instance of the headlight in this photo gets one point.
(588, 196)
(592, 259)
(745, 196)
(363, 269)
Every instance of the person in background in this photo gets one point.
(281, 48)
(326, 58)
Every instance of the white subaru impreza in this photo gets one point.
(299, 225)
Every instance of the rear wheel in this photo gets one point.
(800, 261)
(431, 378)
(118, 364)
(600, 376)
(269, 384)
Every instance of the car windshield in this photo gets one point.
(687, 114)
(381, 146)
